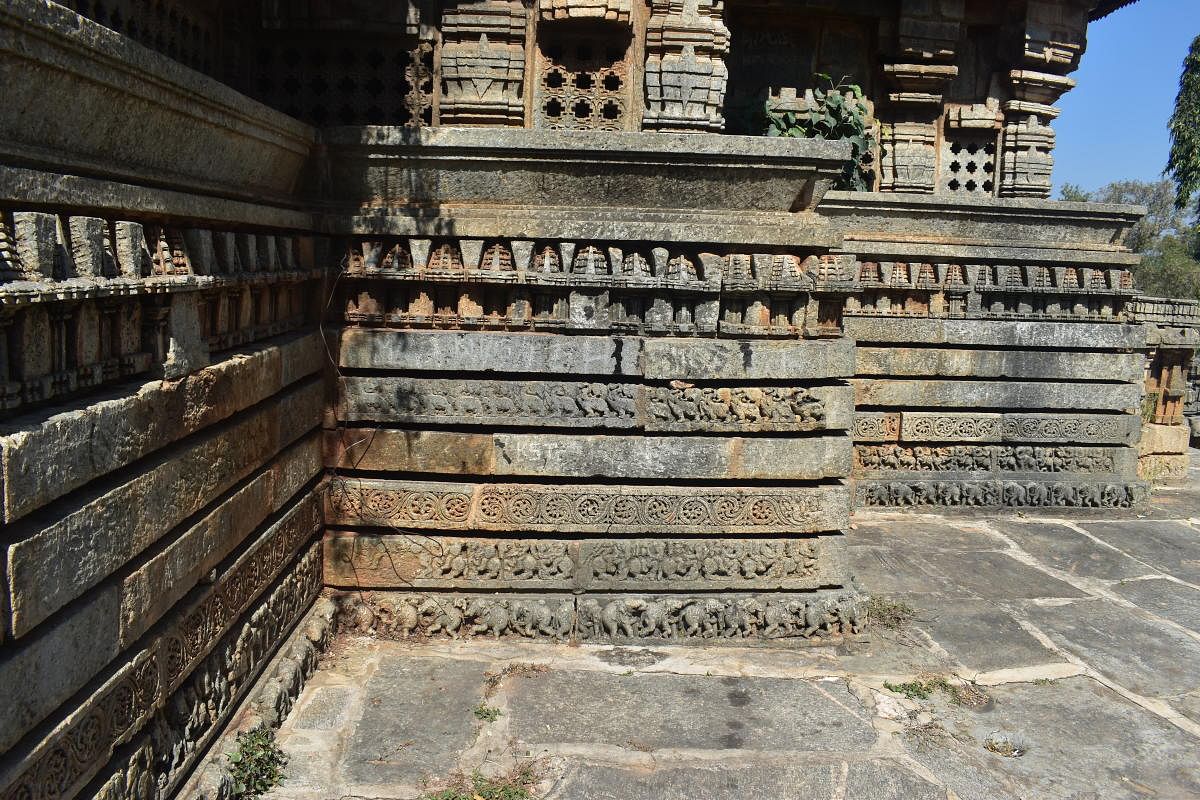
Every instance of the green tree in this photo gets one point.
(1162, 216)
(1183, 164)
(1074, 193)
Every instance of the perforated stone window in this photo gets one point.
(180, 30)
(968, 164)
(334, 79)
(583, 79)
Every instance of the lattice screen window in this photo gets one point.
(583, 79)
(968, 163)
(333, 79)
(178, 30)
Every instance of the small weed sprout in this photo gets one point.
(487, 713)
(517, 785)
(257, 764)
(890, 615)
(1005, 744)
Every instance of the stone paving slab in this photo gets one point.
(1166, 545)
(1065, 548)
(1124, 645)
(654, 712)
(1170, 600)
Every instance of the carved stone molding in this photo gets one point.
(1000, 493)
(877, 426)
(870, 460)
(586, 509)
(686, 76)
(421, 562)
(815, 618)
(579, 404)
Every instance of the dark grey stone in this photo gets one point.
(877, 780)
(980, 635)
(997, 576)
(650, 711)
(1083, 741)
(1070, 551)
(417, 718)
(1167, 599)
(1173, 547)
(326, 709)
(1127, 647)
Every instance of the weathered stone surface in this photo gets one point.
(1177, 602)
(1070, 551)
(1169, 546)
(187, 351)
(577, 456)
(58, 561)
(401, 561)
(950, 426)
(53, 665)
(383, 166)
(368, 348)
(721, 359)
(586, 509)
(233, 143)
(45, 458)
(786, 715)
(436, 724)
(608, 405)
(150, 590)
(960, 461)
(989, 333)
(1105, 635)
(1163, 467)
(995, 395)
(1009, 364)
(1164, 439)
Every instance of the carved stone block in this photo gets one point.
(483, 63)
(814, 617)
(366, 560)
(607, 405)
(877, 460)
(587, 509)
(1015, 494)
(920, 426)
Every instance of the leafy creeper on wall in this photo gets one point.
(837, 112)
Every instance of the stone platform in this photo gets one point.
(1076, 639)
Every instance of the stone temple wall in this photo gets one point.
(161, 392)
(547, 377)
(639, 431)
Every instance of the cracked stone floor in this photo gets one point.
(1083, 632)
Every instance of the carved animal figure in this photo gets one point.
(617, 620)
(656, 618)
(491, 616)
(592, 399)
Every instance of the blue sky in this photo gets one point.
(1114, 123)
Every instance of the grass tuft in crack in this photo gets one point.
(516, 785)
(889, 615)
(257, 764)
(923, 687)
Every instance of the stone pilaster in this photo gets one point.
(686, 44)
(483, 63)
(1027, 141)
(909, 138)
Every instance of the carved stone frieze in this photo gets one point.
(411, 561)
(815, 617)
(586, 509)
(184, 726)
(999, 493)
(79, 748)
(681, 406)
(876, 459)
(875, 426)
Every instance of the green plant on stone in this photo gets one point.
(839, 113)
(257, 763)
(514, 786)
(487, 713)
